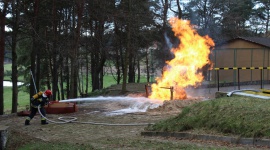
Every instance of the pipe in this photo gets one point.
(230, 93)
(33, 80)
(73, 120)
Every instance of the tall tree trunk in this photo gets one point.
(55, 54)
(33, 88)
(147, 67)
(165, 12)
(74, 62)
(65, 63)
(126, 63)
(131, 68)
(48, 73)
(139, 70)
(79, 79)
(98, 56)
(62, 82)
(94, 73)
(2, 49)
(179, 9)
(15, 13)
(117, 49)
(165, 55)
(101, 74)
(67, 77)
(87, 74)
(122, 56)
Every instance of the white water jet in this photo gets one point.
(109, 98)
(134, 104)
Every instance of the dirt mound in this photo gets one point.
(174, 105)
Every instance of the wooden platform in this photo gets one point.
(56, 107)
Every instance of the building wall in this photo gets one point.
(240, 53)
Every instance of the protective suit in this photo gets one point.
(42, 99)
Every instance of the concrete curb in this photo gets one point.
(232, 140)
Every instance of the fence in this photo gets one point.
(238, 73)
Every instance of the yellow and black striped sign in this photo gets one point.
(243, 68)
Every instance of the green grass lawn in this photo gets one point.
(23, 99)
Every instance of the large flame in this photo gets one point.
(189, 57)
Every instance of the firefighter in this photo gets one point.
(41, 98)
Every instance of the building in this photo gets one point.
(241, 52)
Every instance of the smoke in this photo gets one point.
(167, 40)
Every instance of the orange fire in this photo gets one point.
(184, 70)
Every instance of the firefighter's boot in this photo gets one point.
(44, 122)
(27, 122)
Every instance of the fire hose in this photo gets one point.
(73, 119)
(230, 93)
(64, 120)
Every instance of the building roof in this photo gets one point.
(257, 40)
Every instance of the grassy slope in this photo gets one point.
(240, 116)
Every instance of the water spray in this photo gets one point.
(109, 97)
(64, 120)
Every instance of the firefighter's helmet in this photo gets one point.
(48, 93)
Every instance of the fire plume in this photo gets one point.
(184, 69)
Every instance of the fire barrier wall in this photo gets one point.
(240, 57)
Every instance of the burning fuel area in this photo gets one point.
(182, 74)
(191, 56)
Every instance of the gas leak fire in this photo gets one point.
(184, 69)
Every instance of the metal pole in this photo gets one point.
(146, 90)
(261, 78)
(218, 80)
(238, 79)
(33, 80)
(251, 72)
(171, 89)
